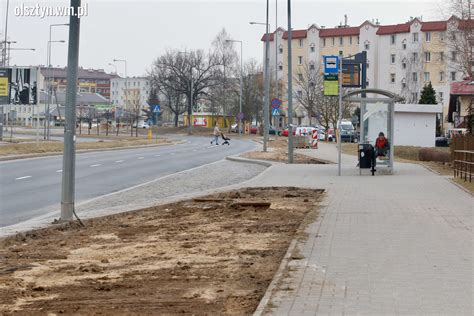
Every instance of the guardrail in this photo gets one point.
(463, 162)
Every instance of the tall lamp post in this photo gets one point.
(47, 134)
(190, 127)
(126, 95)
(241, 84)
(290, 88)
(266, 99)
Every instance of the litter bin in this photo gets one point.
(366, 153)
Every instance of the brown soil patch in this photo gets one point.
(215, 255)
(279, 152)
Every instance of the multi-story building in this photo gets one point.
(88, 80)
(130, 93)
(401, 58)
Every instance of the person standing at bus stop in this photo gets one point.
(217, 132)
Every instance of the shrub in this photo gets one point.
(430, 154)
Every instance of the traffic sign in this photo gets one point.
(240, 116)
(156, 109)
(275, 112)
(331, 64)
(276, 103)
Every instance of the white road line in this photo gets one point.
(172, 153)
(119, 161)
(96, 165)
(60, 170)
(157, 155)
(21, 178)
(140, 157)
(195, 150)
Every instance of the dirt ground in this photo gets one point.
(215, 255)
(279, 152)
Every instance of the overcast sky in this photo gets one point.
(139, 31)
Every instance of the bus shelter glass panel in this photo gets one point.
(375, 119)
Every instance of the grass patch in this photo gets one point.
(465, 184)
(56, 147)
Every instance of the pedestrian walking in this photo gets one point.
(217, 133)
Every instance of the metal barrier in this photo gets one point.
(463, 161)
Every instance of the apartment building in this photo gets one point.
(130, 93)
(88, 80)
(401, 58)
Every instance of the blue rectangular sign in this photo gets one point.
(331, 64)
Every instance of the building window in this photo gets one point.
(367, 45)
(368, 65)
(404, 64)
(300, 42)
(392, 58)
(341, 41)
(441, 76)
(440, 96)
(300, 60)
(311, 66)
(393, 39)
(415, 57)
(441, 56)
(392, 78)
(415, 37)
(312, 48)
(358, 39)
(441, 36)
(414, 76)
(427, 57)
(404, 45)
(404, 83)
(453, 56)
(427, 76)
(324, 42)
(300, 93)
(350, 40)
(453, 75)
(281, 49)
(280, 66)
(427, 36)
(300, 77)
(414, 97)
(332, 41)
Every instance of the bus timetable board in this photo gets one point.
(4, 86)
(351, 75)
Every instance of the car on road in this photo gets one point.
(253, 129)
(141, 125)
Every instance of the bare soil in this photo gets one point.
(214, 255)
(279, 152)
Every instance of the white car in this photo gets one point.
(142, 125)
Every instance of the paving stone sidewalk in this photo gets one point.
(398, 244)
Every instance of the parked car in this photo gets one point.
(285, 132)
(141, 125)
(253, 129)
(234, 128)
(331, 136)
(348, 133)
(442, 141)
(273, 131)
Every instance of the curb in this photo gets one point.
(246, 160)
(48, 154)
(450, 179)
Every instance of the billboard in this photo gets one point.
(23, 85)
(4, 85)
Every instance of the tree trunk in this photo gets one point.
(176, 116)
(118, 126)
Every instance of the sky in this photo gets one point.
(139, 31)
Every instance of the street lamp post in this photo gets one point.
(126, 96)
(290, 88)
(241, 84)
(115, 67)
(50, 91)
(266, 99)
(190, 127)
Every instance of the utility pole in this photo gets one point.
(266, 99)
(4, 51)
(69, 156)
(340, 117)
(290, 89)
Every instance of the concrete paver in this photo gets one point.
(382, 245)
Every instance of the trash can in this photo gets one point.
(366, 153)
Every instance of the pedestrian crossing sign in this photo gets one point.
(275, 112)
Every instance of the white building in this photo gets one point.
(129, 93)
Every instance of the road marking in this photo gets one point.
(96, 165)
(172, 153)
(140, 157)
(157, 155)
(60, 170)
(119, 161)
(21, 178)
(195, 150)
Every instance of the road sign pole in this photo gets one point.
(340, 117)
(69, 156)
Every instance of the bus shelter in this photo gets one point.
(377, 114)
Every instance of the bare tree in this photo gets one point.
(412, 66)
(310, 84)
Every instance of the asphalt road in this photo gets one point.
(32, 187)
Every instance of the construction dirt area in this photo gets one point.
(210, 255)
(278, 151)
